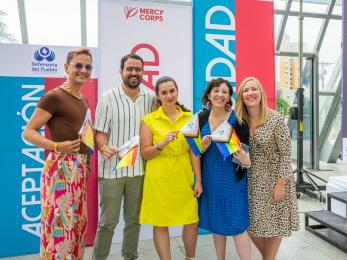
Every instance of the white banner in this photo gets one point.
(162, 35)
(36, 60)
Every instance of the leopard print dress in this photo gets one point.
(270, 152)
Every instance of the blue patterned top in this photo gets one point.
(223, 205)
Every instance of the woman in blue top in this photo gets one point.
(223, 206)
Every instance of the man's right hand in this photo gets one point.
(109, 151)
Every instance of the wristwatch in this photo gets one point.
(157, 147)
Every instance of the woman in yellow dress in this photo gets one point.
(169, 193)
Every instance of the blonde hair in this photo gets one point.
(240, 107)
(71, 54)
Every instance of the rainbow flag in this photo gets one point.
(125, 148)
(87, 137)
(86, 132)
(191, 132)
(226, 139)
(128, 159)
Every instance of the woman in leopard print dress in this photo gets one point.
(271, 186)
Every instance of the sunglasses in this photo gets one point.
(80, 66)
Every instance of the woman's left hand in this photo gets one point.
(197, 189)
(278, 193)
(243, 157)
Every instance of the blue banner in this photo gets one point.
(22, 165)
(214, 50)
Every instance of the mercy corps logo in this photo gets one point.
(144, 14)
(43, 63)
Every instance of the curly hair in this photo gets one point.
(215, 83)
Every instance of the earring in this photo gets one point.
(227, 107)
(208, 104)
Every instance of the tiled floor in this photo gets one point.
(300, 246)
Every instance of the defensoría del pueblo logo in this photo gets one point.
(43, 63)
(44, 53)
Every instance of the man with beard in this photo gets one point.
(118, 117)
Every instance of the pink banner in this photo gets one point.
(255, 45)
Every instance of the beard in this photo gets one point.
(130, 84)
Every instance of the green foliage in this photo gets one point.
(282, 106)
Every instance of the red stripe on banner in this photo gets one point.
(90, 91)
(255, 47)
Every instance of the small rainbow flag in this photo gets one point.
(128, 159)
(86, 133)
(195, 145)
(87, 137)
(226, 139)
(191, 132)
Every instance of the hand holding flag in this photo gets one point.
(226, 139)
(108, 151)
(191, 132)
(128, 159)
(128, 153)
(86, 132)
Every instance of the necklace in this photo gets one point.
(68, 89)
(216, 121)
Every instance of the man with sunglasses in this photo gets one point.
(118, 117)
(63, 191)
(80, 66)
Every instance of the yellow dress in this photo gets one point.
(168, 197)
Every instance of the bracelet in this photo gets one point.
(245, 166)
(55, 147)
(157, 147)
(102, 148)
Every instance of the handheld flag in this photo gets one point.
(128, 159)
(226, 139)
(125, 148)
(86, 132)
(128, 153)
(191, 132)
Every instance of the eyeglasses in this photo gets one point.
(80, 66)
